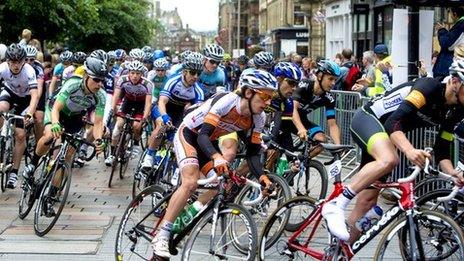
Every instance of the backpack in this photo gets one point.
(351, 77)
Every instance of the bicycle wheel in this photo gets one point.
(26, 199)
(138, 184)
(441, 238)
(3, 164)
(125, 153)
(197, 245)
(453, 208)
(43, 219)
(312, 182)
(274, 237)
(139, 223)
(431, 184)
(264, 209)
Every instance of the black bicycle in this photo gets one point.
(124, 148)
(7, 144)
(216, 231)
(55, 187)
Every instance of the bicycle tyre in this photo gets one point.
(139, 178)
(315, 171)
(454, 212)
(64, 191)
(200, 228)
(273, 231)
(125, 153)
(2, 161)
(26, 199)
(261, 211)
(397, 234)
(431, 184)
(127, 231)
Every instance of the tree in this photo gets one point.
(80, 24)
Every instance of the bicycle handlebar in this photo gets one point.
(127, 117)
(80, 139)
(453, 194)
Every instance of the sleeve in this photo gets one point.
(415, 100)
(330, 107)
(203, 140)
(101, 101)
(31, 79)
(65, 92)
(150, 87)
(167, 88)
(119, 83)
(199, 94)
(449, 38)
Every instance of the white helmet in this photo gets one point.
(137, 54)
(31, 51)
(136, 65)
(258, 79)
(2, 51)
(214, 52)
(263, 59)
(457, 68)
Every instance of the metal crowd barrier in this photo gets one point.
(346, 105)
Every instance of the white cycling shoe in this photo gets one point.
(335, 218)
(160, 247)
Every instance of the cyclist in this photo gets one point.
(158, 76)
(19, 93)
(66, 59)
(263, 60)
(313, 94)
(76, 97)
(179, 92)
(380, 126)
(76, 68)
(175, 69)
(212, 76)
(31, 55)
(120, 56)
(195, 142)
(136, 93)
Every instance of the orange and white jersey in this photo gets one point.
(224, 114)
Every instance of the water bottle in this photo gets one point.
(282, 165)
(370, 219)
(186, 216)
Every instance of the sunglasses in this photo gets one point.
(291, 82)
(97, 80)
(160, 70)
(193, 72)
(214, 62)
(30, 59)
(264, 96)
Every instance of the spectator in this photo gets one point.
(349, 72)
(338, 59)
(448, 40)
(306, 66)
(25, 37)
(368, 76)
(383, 66)
(297, 59)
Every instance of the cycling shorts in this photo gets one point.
(128, 107)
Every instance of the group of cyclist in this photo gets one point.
(210, 109)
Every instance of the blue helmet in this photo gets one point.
(120, 54)
(158, 54)
(287, 70)
(328, 67)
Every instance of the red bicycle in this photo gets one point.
(409, 233)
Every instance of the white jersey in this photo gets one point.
(21, 83)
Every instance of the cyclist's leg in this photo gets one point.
(116, 133)
(20, 138)
(39, 116)
(315, 132)
(137, 128)
(5, 101)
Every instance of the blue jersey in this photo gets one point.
(109, 81)
(58, 70)
(179, 94)
(210, 81)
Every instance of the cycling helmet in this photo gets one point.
(287, 70)
(158, 54)
(193, 61)
(160, 64)
(328, 67)
(214, 52)
(147, 49)
(263, 59)
(79, 57)
(136, 65)
(111, 57)
(258, 79)
(457, 68)
(2, 51)
(100, 54)
(31, 51)
(15, 52)
(137, 54)
(66, 56)
(95, 68)
(184, 54)
(120, 54)
(243, 59)
(227, 57)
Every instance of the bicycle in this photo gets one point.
(144, 214)
(124, 147)
(404, 226)
(163, 171)
(7, 143)
(60, 171)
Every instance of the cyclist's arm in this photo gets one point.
(205, 143)
(51, 87)
(98, 127)
(147, 110)
(296, 116)
(334, 131)
(116, 94)
(57, 107)
(253, 153)
(34, 101)
(162, 102)
(275, 126)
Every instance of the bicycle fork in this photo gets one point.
(217, 204)
(415, 241)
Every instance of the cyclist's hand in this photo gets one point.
(221, 165)
(56, 130)
(303, 134)
(28, 119)
(100, 145)
(459, 179)
(267, 187)
(417, 157)
(166, 119)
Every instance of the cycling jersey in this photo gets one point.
(175, 69)
(134, 92)
(179, 94)
(39, 72)
(20, 84)
(76, 101)
(58, 70)
(210, 81)
(80, 70)
(407, 107)
(158, 83)
(68, 72)
(108, 84)
(309, 102)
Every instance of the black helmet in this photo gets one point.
(243, 59)
(79, 57)
(15, 52)
(100, 54)
(95, 68)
